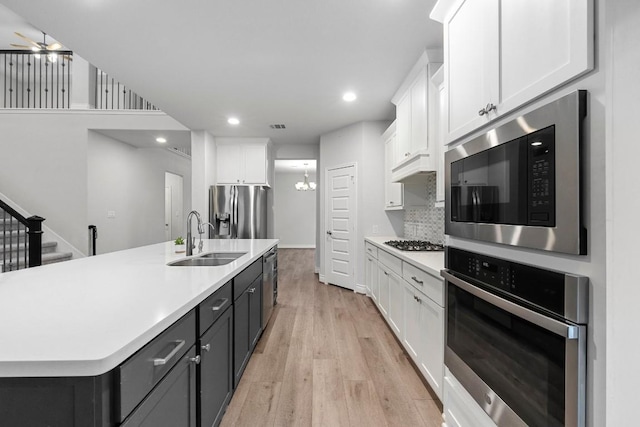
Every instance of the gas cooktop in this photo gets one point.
(415, 245)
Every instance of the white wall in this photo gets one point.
(295, 211)
(360, 143)
(203, 161)
(129, 181)
(623, 204)
(43, 161)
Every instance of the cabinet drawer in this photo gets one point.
(390, 261)
(244, 279)
(142, 371)
(431, 286)
(371, 249)
(213, 307)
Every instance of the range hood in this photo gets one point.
(415, 168)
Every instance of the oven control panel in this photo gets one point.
(538, 286)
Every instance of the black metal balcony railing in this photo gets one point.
(20, 239)
(33, 80)
(112, 95)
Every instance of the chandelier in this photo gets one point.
(305, 185)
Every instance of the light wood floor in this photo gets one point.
(327, 358)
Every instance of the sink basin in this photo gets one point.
(212, 259)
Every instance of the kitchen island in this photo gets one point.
(74, 325)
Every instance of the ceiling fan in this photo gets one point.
(43, 46)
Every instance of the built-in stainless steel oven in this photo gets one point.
(519, 184)
(516, 339)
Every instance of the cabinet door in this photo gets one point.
(255, 311)
(392, 190)
(216, 370)
(241, 335)
(229, 164)
(403, 128)
(383, 285)
(255, 164)
(396, 304)
(431, 349)
(419, 116)
(542, 45)
(412, 332)
(172, 402)
(371, 277)
(471, 58)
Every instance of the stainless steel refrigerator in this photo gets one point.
(238, 211)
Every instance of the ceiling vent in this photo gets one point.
(277, 126)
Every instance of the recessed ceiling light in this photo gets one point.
(349, 97)
(161, 140)
(233, 121)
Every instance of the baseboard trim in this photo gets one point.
(322, 279)
(361, 289)
(296, 246)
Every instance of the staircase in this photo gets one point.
(12, 248)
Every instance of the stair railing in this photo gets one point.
(13, 225)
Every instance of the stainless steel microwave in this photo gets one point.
(520, 183)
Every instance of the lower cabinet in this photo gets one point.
(411, 301)
(460, 410)
(173, 401)
(215, 372)
(247, 320)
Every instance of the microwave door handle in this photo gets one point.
(559, 328)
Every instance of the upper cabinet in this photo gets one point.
(500, 54)
(413, 145)
(393, 191)
(243, 162)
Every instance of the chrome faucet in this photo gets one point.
(191, 241)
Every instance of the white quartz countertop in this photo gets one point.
(431, 262)
(86, 316)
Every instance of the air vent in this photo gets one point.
(181, 151)
(277, 126)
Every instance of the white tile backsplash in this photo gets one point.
(427, 222)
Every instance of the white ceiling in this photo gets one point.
(266, 62)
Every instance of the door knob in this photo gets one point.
(330, 233)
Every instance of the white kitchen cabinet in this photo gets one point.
(438, 118)
(242, 163)
(460, 410)
(396, 304)
(414, 148)
(383, 287)
(424, 335)
(393, 191)
(371, 277)
(500, 54)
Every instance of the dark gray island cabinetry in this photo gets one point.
(183, 376)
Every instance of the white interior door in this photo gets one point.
(340, 226)
(167, 213)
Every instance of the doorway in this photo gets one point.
(173, 206)
(294, 203)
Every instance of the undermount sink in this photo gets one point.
(212, 259)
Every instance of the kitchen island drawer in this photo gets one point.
(431, 286)
(392, 262)
(242, 281)
(137, 376)
(213, 307)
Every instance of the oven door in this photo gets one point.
(523, 368)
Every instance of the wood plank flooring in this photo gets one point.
(328, 358)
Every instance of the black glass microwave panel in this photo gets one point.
(521, 362)
(512, 183)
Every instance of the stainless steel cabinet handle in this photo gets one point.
(415, 279)
(251, 290)
(206, 347)
(482, 112)
(163, 361)
(490, 107)
(219, 304)
(195, 360)
(385, 273)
